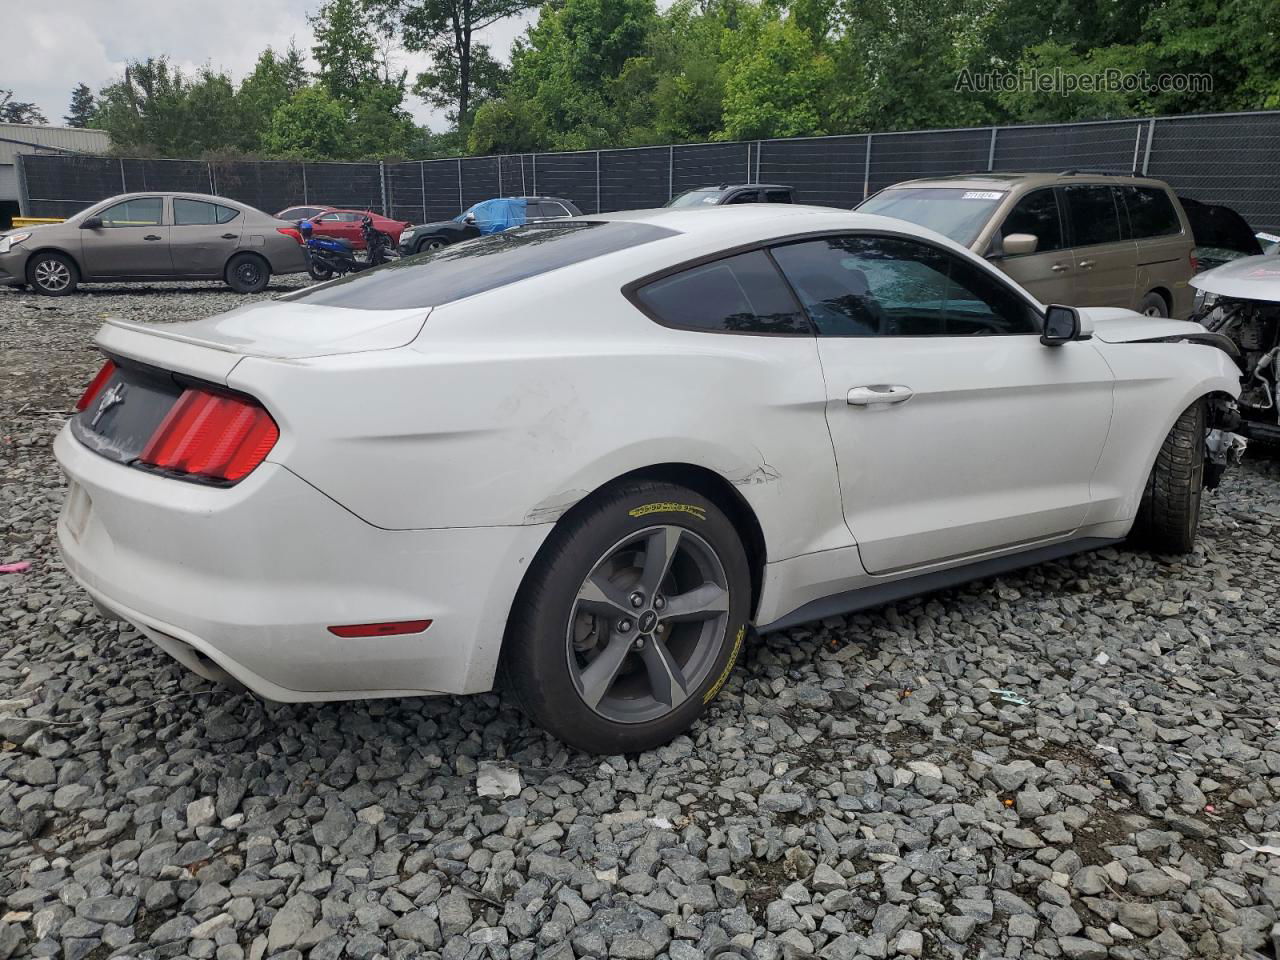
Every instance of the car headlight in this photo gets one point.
(12, 240)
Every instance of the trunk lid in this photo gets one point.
(280, 330)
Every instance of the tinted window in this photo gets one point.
(1036, 214)
(144, 212)
(746, 196)
(696, 198)
(194, 212)
(741, 294)
(777, 196)
(299, 213)
(1151, 212)
(552, 209)
(956, 212)
(867, 286)
(1093, 215)
(465, 269)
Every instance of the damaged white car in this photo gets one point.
(588, 456)
(1241, 301)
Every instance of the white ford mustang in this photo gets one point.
(589, 455)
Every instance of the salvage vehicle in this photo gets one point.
(1087, 238)
(152, 236)
(726, 193)
(588, 456)
(1241, 300)
(1220, 233)
(483, 218)
(346, 225)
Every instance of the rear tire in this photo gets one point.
(1170, 510)
(629, 666)
(319, 273)
(52, 274)
(1153, 305)
(247, 273)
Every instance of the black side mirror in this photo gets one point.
(90, 223)
(1061, 325)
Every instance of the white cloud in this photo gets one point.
(89, 41)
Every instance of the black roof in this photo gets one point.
(744, 186)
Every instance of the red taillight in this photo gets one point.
(1195, 262)
(392, 629)
(95, 385)
(211, 435)
(290, 232)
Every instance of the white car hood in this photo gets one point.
(1250, 278)
(1116, 325)
(291, 331)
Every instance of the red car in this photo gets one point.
(344, 224)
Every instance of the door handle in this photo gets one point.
(229, 236)
(1059, 267)
(151, 236)
(879, 393)
(1086, 264)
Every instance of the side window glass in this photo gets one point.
(1036, 214)
(777, 196)
(868, 286)
(1151, 212)
(741, 294)
(187, 213)
(1093, 215)
(143, 212)
(746, 196)
(227, 214)
(553, 210)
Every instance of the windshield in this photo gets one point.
(465, 269)
(695, 198)
(955, 212)
(465, 213)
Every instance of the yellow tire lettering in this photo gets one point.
(728, 667)
(691, 509)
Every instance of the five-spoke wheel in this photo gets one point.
(631, 619)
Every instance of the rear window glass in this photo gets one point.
(465, 269)
(1151, 212)
(742, 294)
(956, 212)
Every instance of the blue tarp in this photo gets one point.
(494, 216)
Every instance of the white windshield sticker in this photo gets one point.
(982, 195)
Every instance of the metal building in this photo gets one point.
(24, 138)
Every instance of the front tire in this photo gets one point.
(52, 274)
(1170, 510)
(429, 244)
(631, 620)
(247, 273)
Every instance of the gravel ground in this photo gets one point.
(1074, 762)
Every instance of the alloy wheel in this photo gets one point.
(52, 275)
(647, 624)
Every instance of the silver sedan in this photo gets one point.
(153, 236)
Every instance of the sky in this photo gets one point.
(89, 41)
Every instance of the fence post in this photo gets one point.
(24, 201)
(535, 174)
(758, 143)
(1137, 142)
(209, 168)
(422, 183)
(123, 186)
(1151, 135)
(748, 161)
(991, 152)
(866, 169)
(382, 179)
(213, 178)
(460, 207)
(305, 199)
(500, 191)
(671, 171)
(597, 181)
(522, 187)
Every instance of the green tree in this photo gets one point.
(274, 80)
(463, 73)
(778, 82)
(18, 111)
(80, 112)
(505, 126)
(313, 125)
(346, 49)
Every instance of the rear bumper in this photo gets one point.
(249, 578)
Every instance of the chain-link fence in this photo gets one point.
(1216, 158)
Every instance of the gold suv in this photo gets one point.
(1079, 238)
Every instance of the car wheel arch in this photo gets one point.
(712, 485)
(59, 250)
(1164, 294)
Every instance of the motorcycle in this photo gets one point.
(328, 257)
